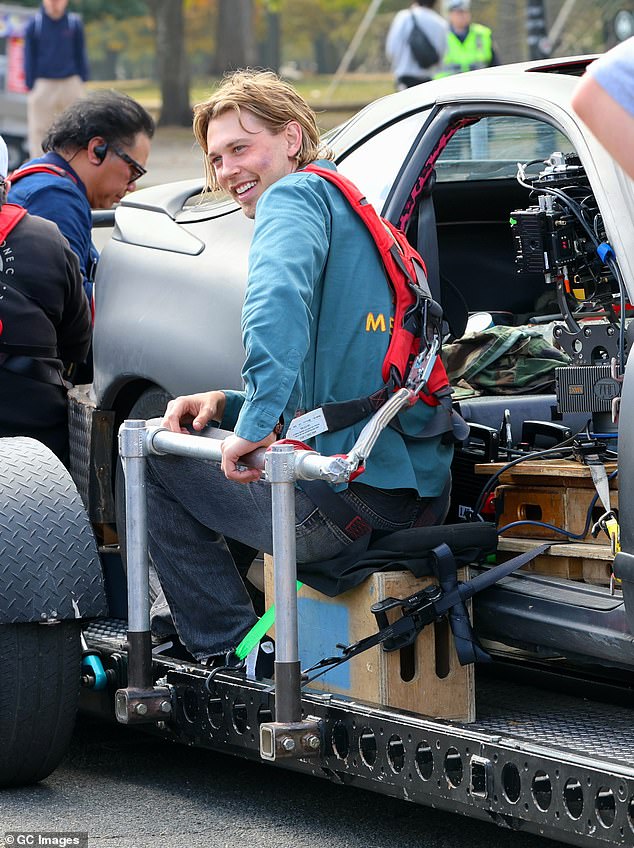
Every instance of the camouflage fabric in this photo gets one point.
(503, 361)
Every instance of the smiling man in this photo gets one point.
(94, 154)
(314, 272)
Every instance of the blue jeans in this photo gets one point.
(193, 510)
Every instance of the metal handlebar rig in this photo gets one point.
(141, 701)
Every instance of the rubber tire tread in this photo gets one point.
(40, 676)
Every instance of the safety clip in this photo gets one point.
(610, 526)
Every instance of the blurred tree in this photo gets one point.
(235, 38)
(270, 44)
(321, 28)
(200, 34)
(93, 10)
(119, 49)
(172, 64)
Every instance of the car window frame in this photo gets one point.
(443, 116)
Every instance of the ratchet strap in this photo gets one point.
(427, 606)
(608, 521)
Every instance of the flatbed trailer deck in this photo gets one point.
(535, 760)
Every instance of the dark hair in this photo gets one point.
(110, 114)
(428, 3)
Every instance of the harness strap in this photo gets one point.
(28, 350)
(468, 648)
(43, 168)
(344, 414)
(34, 369)
(335, 508)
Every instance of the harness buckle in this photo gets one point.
(422, 367)
(610, 526)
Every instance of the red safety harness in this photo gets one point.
(43, 168)
(417, 317)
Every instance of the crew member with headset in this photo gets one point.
(45, 323)
(469, 45)
(94, 154)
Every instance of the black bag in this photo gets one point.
(422, 49)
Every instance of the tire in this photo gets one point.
(40, 669)
(150, 404)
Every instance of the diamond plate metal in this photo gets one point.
(49, 566)
(585, 727)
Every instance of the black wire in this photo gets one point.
(556, 529)
(533, 455)
(495, 477)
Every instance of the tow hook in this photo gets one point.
(284, 740)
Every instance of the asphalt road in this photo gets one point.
(129, 789)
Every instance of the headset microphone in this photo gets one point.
(100, 151)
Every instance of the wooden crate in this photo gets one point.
(563, 506)
(425, 678)
(574, 561)
(547, 472)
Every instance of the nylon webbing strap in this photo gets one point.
(600, 479)
(468, 648)
(433, 610)
(258, 631)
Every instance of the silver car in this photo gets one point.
(507, 196)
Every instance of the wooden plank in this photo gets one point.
(573, 561)
(426, 678)
(546, 472)
(578, 549)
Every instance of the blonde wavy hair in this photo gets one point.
(270, 99)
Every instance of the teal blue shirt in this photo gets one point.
(316, 325)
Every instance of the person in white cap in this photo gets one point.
(469, 46)
(45, 323)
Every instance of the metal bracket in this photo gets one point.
(141, 706)
(481, 777)
(298, 739)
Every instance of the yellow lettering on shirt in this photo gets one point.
(373, 324)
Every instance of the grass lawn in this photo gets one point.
(333, 105)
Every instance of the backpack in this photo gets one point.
(422, 49)
(416, 315)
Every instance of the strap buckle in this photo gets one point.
(610, 526)
(422, 367)
(418, 609)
